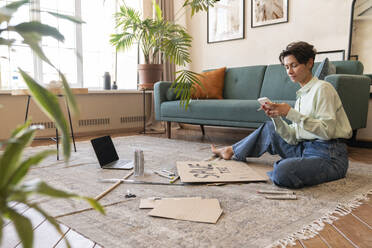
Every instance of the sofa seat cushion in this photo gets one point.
(220, 110)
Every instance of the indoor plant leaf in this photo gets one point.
(7, 42)
(183, 85)
(94, 204)
(9, 160)
(23, 168)
(1, 229)
(40, 187)
(32, 40)
(37, 186)
(8, 10)
(12, 169)
(38, 27)
(19, 129)
(66, 17)
(160, 38)
(199, 5)
(68, 94)
(48, 102)
(51, 220)
(123, 41)
(23, 227)
(159, 13)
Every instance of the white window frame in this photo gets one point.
(38, 68)
(79, 45)
(38, 63)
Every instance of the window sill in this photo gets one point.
(93, 91)
(116, 91)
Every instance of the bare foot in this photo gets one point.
(225, 153)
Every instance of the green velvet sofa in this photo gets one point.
(242, 87)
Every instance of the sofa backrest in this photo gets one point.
(345, 67)
(243, 82)
(277, 85)
(272, 81)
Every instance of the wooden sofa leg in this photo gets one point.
(202, 129)
(169, 123)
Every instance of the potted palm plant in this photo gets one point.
(158, 40)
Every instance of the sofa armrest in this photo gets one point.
(354, 94)
(160, 95)
(370, 76)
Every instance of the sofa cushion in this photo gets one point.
(213, 82)
(324, 69)
(243, 82)
(345, 67)
(222, 110)
(277, 85)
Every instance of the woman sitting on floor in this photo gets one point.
(312, 148)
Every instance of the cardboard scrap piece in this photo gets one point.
(218, 171)
(192, 209)
(148, 203)
(151, 202)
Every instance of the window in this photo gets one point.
(126, 71)
(98, 55)
(61, 54)
(19, 56)
(85, 54)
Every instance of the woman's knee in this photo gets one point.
(284, 175)
(284, 180)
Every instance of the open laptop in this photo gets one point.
(107, 156)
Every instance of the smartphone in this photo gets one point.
(263, 100)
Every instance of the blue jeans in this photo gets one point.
(307, 163)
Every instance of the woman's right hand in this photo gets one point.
(276, 109)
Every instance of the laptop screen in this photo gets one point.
(105, 150)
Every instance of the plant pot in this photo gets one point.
(148, 75)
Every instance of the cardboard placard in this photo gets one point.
(192, 209)
(151, 202)
(217, 171)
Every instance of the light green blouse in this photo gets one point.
(318, 114)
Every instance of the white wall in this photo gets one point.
(362, 42)
(325, 24)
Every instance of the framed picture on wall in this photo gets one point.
(225, 21)
(268, 12)
(334, 55)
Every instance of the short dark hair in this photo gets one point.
(301, 50)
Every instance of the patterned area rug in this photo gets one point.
(248, 219)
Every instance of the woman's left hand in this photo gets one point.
(276, 109)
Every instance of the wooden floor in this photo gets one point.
(352, 230)
(45, 234)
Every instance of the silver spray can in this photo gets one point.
(138, 163)
(135, 162)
